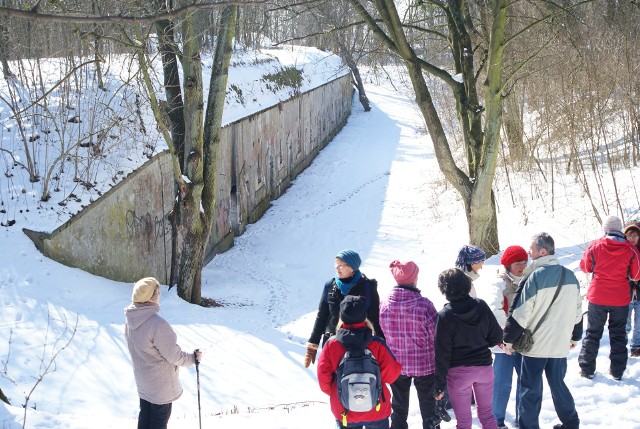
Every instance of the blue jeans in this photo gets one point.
(378, 424)
(503, 366)
(634, 307)
(531, 392)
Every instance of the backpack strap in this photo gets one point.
(367, 293)
(327, 287)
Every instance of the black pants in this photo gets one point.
(596, 318)
(400, 401)
(153, 416)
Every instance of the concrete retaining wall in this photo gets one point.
(126, 234)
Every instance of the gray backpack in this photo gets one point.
(359, 381)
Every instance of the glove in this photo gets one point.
(310, 356)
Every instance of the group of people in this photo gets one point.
(467, 350)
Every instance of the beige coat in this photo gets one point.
(154, 353)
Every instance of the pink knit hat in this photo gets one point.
(405, 273)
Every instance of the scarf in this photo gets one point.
(345, 286)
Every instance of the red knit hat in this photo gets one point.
(405, 273)
(513, 254)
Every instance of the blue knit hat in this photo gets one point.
(469, 255)
(351, 258)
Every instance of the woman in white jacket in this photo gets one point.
(514, 259)
(155, 355)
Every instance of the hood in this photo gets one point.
(542, 261)
(138, 313)
(616, 247)
(467, 310)
(403, 297)
(354, 339)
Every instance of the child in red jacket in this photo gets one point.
(355, 332)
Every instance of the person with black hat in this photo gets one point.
(155, 355)
(349, 280)
(632, 232)
(354, 334)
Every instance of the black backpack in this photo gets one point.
(359, 381)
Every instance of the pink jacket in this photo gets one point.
(154, 353)
(408, 321)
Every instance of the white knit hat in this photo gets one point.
(143, 289)
(611, 224)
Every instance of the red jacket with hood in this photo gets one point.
(613, 263)
(356, 335)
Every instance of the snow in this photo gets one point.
(115, 126)
(375, 189)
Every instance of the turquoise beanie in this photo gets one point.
(351, 258)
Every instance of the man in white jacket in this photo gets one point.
(155, 355)
(548, 303)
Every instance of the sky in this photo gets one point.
(376, 189)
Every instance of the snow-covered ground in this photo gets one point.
(375, 189)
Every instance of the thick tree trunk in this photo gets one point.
(215, 106)
(193, 212)
(190, 226)
(483, 225)
(195, 174)
(174, 107)
(190, 238)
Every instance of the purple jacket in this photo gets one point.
(409, 321)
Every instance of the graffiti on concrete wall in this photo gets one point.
(146, 225)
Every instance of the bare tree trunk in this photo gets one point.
(190, 225)
(174, 107)
(483, 224)
(351, 63)
(514, 128)
(96, 49)
(4, 41)
(193, 212)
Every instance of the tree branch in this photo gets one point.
(33, 14)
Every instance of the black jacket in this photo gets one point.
(465, 330)
(329, 307)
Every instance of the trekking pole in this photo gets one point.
(195, 357)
